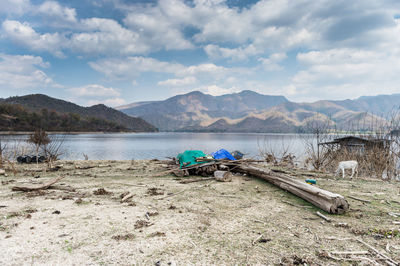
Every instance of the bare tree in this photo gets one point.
(39, 138)
(3, 147)
(277, 152)
(53, 149)
(318, 132)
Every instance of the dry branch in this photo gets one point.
(389, 261)
(362, 252)
(45, 186)
(362, 200)
(323, 217)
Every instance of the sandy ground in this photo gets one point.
(243, 222)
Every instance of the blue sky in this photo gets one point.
(117, 52)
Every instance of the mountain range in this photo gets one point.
(25, 113)
(249, 111)
(246, 111)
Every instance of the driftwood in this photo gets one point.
(180, 173)
(45, 186)
(127, 197)
(193, 180)
(327, 201)
(84, 167)
(163, 173)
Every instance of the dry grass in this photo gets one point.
(207, 223)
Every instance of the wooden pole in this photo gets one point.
(325, 200)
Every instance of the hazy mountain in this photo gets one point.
(380, 105)
(41, 104)
(249, 111)
(198, 109)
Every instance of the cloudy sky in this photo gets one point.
(119, 51)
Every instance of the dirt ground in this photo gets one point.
(82, 221)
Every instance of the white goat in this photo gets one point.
(353, 165)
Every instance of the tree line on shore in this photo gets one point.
(17, 118)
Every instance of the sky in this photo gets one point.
(118, 51)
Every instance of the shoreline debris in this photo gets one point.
(201, 164)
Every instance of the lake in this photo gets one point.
(127, 146)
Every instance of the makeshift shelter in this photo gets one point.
(356, 144)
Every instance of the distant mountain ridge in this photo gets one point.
(248, 111)
(198, 109)
(36, 103)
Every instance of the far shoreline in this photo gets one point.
(71, 133)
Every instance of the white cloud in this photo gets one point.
(96, 94)
(161, 26)
(178, 82)
(23, 71)
(106, 36)
(54, 10)
(234, 54)
(217, 90)
(203, 74)
(271, 63)
(94, 90)
(18, 7)
(112, 102)
(347, 73)
(266, 26)
(131, 67)
(342, 45)
(24, 34)
(203, 70)
(57, 14)
(212, 89)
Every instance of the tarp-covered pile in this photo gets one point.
(222, 154)
(188, 158)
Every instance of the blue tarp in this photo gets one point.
(222, 154)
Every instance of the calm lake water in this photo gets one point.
(129, 146)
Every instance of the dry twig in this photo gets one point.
(323, 217)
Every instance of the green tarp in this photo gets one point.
(188, 158)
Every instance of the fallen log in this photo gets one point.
(325, 200)
(45, 186)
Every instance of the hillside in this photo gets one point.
(249, 111)
(46, 110)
